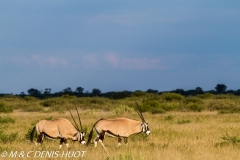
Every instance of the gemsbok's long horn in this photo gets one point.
(79, 119)
(76, 126)
(139, 113)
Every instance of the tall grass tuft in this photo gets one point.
(123, 109)
(234, 140)
(183, 121)
(6, 138)
(6, 120)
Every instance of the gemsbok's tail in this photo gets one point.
(32, 134)
(91, 133)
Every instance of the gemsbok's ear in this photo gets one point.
(75, 135)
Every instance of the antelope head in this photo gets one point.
(144, 125)
(80, 135)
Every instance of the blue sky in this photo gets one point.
(119, 45)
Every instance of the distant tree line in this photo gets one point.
(79, 92)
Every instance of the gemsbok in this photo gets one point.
(118, 127)
(59, 128)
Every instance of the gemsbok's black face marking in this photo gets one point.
(145, 128)
(81, 138)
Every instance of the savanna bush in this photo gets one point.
(233, 140)
(152, 106)
(225, 96)
(4, 109)
(157, 110)
(89, 112)
(169, 106)
(193, 99)
(195, 107)
(123, 109)
(96, 100)
(49, 102)
(58, 108)
(183, 121)
(172, 97)
(221, 104)
(168, 118)
(148, 105)
(206, 96)
(30, 99)
(138, 94)
(6, 120)
(6, 138)
(33, 108)
(10, 98)
(120, 95)
(69, 97)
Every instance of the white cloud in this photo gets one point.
(123, 63)
(112, 59)
(49, 61)
(90, 61)
(142, 64)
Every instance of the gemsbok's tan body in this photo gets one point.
(119, 127)
(58, 129)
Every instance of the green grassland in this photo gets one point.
(199, 127)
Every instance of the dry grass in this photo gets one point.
(175, 135)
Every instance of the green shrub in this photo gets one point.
(153, 106)
(195, 107)
(4, 109)
(168, 118)
(157, 110)
(233, 140)
(89, 112)
(58, 108)
(169, 106)
(206, 96)
(96, 100)
(30, 99)
(4, 138)
(10, 98)
(123, 109)
(183, 121)
(225, 96)
(7, 120)
(138, 94)
(231, 110)
(120, 95)
(192, 99)
(222, 104)
(33, 108)
(69, 97)
(48, 102)
(149, 106)
(172, 97)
